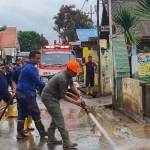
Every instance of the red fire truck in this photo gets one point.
(54, 58)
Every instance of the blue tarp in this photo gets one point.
(84, 34)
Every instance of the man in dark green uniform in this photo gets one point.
(51, 95)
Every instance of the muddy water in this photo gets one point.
(140, 130)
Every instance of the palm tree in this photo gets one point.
(127, 20)
(143, 8)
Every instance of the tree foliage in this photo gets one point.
(127, 20)
(31, 40)
(68, 20)
(3, 28)
(145, 50)
(143, 8)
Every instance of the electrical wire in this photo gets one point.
(92, 4)
(83, 5)
(89, 6)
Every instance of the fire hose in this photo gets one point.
(87, 110)
(83, 106)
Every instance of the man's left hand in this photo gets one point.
(80, 97)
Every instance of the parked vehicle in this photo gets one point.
(54, 58)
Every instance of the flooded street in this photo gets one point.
(126, 134)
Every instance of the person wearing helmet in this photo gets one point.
(56, 89)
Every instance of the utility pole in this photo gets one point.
(90, 13)
(91, 10)
(98, 53)
(113, 81)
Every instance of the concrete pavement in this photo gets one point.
(126, 134)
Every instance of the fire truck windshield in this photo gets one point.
(59, 58)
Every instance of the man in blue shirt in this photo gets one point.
(18, 65)
(26, 95)
(4, 93)
(15, 77)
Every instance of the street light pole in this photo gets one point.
(98, 53)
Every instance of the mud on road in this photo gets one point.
(126, 134)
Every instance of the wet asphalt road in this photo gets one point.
(125, 134)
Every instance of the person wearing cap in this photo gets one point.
(4, 93)
(18, 65)
(55, 90)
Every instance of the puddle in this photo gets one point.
(140, 130)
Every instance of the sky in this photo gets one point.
(37, 15)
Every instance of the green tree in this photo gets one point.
(68, 20)
(143, 8)
(127, 20)
(145, 50)
(31, 40)
(3, 28)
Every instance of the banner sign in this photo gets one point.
(144, 67)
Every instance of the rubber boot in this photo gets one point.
(20, 132)
(40, 127)
(91, 90)
(87, 90)
(29, 122)
(51, 137)
(66, 141)
(25, 130)
(11, 113)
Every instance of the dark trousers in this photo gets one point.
(27, 105)
(89, 80)
(5, 96)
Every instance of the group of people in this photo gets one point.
(25, 80)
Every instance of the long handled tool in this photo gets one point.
(87, 110)
(7, 106)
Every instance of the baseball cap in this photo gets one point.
(74, 66)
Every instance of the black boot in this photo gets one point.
(20, 132)
(40, 127)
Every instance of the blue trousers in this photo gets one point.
(5, 96)
(27, 105)
(89, 80)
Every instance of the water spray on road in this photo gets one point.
(83, 105)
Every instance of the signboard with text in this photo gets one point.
(144, 67)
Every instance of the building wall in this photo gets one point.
(132, 95)
(105, 66)
(106, 73)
